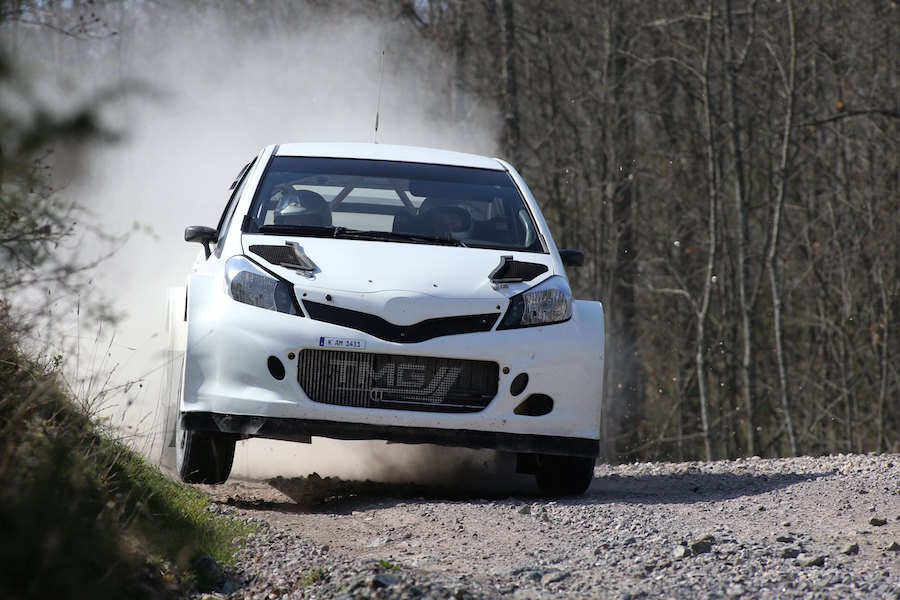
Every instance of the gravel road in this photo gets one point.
(803, 527)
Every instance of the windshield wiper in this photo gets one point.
(307, 230)
(359, 234)
(395, 236)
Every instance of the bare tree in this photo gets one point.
(788, 74)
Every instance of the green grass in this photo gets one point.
(82, 516)
(189, 526)
(313, 577)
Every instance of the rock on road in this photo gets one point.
(802, 527)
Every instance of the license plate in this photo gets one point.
(342, 343)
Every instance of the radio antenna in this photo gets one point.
(380, 84)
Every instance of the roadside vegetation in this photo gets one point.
(84, 516)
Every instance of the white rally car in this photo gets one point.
(368, 291)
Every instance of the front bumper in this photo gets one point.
(229, 386)
(302, 430)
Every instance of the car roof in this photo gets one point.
(389, 152)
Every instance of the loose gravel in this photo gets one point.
(806, 527)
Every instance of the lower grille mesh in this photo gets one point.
(395, 381)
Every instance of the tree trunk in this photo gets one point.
(511, 100)
(772, 253)
(745, 303)
(712, 190)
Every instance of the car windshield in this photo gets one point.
(392, 201)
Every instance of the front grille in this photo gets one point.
(368, 380)
(408, 334)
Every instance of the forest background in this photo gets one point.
(729, 168)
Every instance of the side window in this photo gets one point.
(225, 220)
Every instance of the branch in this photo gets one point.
(672, 292)
(740, 62)
(666, 22)
(702, 17)
(884, 112)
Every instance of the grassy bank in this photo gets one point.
(82, 516)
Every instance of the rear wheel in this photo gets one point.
(563, 475)
(203, 456)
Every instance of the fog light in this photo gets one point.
(276, 368)
(535, 405)
(518, 384)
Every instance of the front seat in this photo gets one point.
(302, 207)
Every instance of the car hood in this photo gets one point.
(401, 282)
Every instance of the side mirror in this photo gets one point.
(572, 258)
(202, 235)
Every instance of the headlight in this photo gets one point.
(249, 283)
(548, 302)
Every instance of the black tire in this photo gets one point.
(203, 456)
(563, 475)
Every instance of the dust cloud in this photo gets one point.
(210, 89)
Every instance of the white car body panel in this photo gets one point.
(360, 279)
(389, 152)
(229, 344)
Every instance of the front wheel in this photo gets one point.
(563, 475)
(203, 456)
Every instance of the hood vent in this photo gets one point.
(291, 256)
(511, 271)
